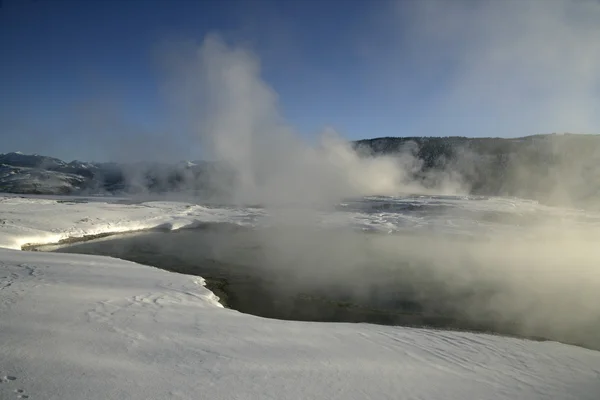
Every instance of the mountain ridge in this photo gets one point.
(551, 168)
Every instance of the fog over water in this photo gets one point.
(487, 264)
(508, 265)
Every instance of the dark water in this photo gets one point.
(334, 275)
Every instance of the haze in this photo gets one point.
(87, 81)
(274, 90)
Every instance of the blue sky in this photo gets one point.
(82, 78)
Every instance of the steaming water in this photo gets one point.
(493, 264)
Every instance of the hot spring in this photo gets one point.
(498, 265)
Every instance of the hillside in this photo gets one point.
(554, 169)
(36, 174)
(557, 169)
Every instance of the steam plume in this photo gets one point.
(235, 115)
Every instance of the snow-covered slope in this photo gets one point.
(77, 327)
(40, 181)
(87, 327)
(35, 174)
(43, 220)
(19, 159)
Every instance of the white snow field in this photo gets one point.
(89, 327)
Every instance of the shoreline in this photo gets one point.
(257, 293)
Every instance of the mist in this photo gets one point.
(514, 68)
(518, 68)
(234, 114)
(502, 68)
(531, 272)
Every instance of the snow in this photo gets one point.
(42, 220)
(89, 327)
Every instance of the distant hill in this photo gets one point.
(555, 169)
(36, 174)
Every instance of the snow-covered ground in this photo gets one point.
(88, 327)
(28, 219)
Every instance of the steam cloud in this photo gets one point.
(528, 66)
(235, 115)
(511, 68)
(518, 67)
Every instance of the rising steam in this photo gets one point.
(509, 68)
(541, 279)
(235, 115)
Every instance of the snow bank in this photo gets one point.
(88, 327)
(36, 220)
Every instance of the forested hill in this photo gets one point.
(554, 168)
